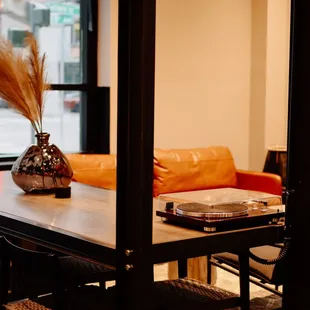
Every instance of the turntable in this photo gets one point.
(220, 209)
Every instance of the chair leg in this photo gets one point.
(244, 278)
(182, 268)
(102, 284)
(4, 279)
(58, 299)
(209, 272)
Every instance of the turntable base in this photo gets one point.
(216, 218)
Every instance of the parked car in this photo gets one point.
(72, 101)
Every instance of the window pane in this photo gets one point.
(61, 120)
(56, 24)
(15, 131)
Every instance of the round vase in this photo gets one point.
(42, 167)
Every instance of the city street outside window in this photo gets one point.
(56, 25)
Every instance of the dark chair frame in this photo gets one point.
(23, 273)
(17, 264)
(231, 267)
(254, 278)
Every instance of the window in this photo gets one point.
(67, 32)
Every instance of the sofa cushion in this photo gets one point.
(180, 170)
(94, 169)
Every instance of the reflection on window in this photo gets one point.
(15, 131)
(61, 120)
(56, 25)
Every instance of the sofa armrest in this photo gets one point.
(259, 181)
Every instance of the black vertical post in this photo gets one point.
(135, 143)
(297, 285)
(244, 281)
(95, 108)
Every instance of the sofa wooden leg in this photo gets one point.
(244, 278)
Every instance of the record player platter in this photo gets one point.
(218, 211)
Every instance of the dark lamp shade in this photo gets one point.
(276, 161)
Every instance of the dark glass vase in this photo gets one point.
(42, 167)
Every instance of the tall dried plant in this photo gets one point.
(23, 80)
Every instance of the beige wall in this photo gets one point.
(203, 92)
(106, 40)
(269, 78)
(202, 75)
(258, 84)
(277, 73)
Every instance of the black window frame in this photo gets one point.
(95, 100)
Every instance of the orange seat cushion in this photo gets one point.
(180, 170)
(94, 169)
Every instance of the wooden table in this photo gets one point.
(85, 226)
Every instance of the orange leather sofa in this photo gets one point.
(178, 170)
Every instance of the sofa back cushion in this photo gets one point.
(181, 170)
(94, 169)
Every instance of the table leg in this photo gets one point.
(182, 268)
(4, 275)
(244, 278)
(209, 269)
(196, 269)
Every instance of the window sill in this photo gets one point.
(6, 165)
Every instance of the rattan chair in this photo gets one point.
(84, 298)
(182, 294)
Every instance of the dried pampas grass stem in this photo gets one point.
(23, 80)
